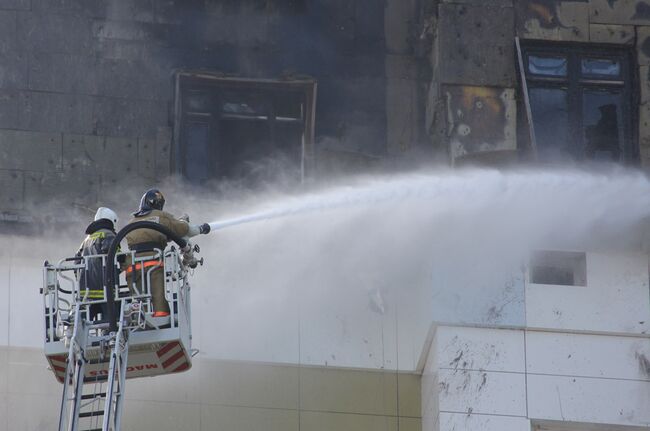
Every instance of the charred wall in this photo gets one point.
(86, 86)
(472, 103)
(475, 94)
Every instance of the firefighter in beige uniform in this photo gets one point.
(144, 241)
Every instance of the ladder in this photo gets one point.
(95, 403)
(94, 358)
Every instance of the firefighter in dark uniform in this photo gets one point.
(100, 235)
(144, 241)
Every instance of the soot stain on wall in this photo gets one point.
(479, 116)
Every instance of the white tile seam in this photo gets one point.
(473, 413)
(545, 374)
(9, 302)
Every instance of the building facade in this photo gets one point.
(570, 355)
(95, 94)
(99, 94)
(582, 62)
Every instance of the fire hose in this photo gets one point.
(112, 270)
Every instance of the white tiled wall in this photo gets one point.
(474, 379)
(25, 304)
(616, 298)
(589, 400)
(4, 302)
(482, 392)
(469, 348)
(478, 378)
(457, 421)
(586, 355)
(341, 327)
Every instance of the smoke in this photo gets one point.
(353, 274)
(559, 208)
(328, 276)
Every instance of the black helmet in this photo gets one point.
(151, 200)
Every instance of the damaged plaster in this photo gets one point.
(553, 19)
(481, 119)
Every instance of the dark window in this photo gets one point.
(581, 102)
(197, 151)
(250, 131)
(562, 268)
(601, 67)
(551, 106)
(547, 65)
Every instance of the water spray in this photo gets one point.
(420, 187)
(218, 225)
(532, 201)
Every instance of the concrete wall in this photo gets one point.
(83, 81)
(86, 82)
(472, 100)
(471, 105)
(507, 379)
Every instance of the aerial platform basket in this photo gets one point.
(156, 345)
(101, 329)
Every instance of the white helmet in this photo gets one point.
(106, 213)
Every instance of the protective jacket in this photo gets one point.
(100, 236)
(143, 241)
(147, 239)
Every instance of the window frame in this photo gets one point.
(187, 82)
(542, 262)
(575, 83)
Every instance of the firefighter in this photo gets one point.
(100, 235)
(144, 241)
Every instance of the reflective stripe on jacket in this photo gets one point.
(138, 266)
(100, 237)
(95, 294)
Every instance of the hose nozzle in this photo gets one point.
(205, 229)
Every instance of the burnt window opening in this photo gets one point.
(244, 130)
(562, 268)
(581, 102)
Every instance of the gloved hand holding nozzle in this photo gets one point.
(196, 229)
